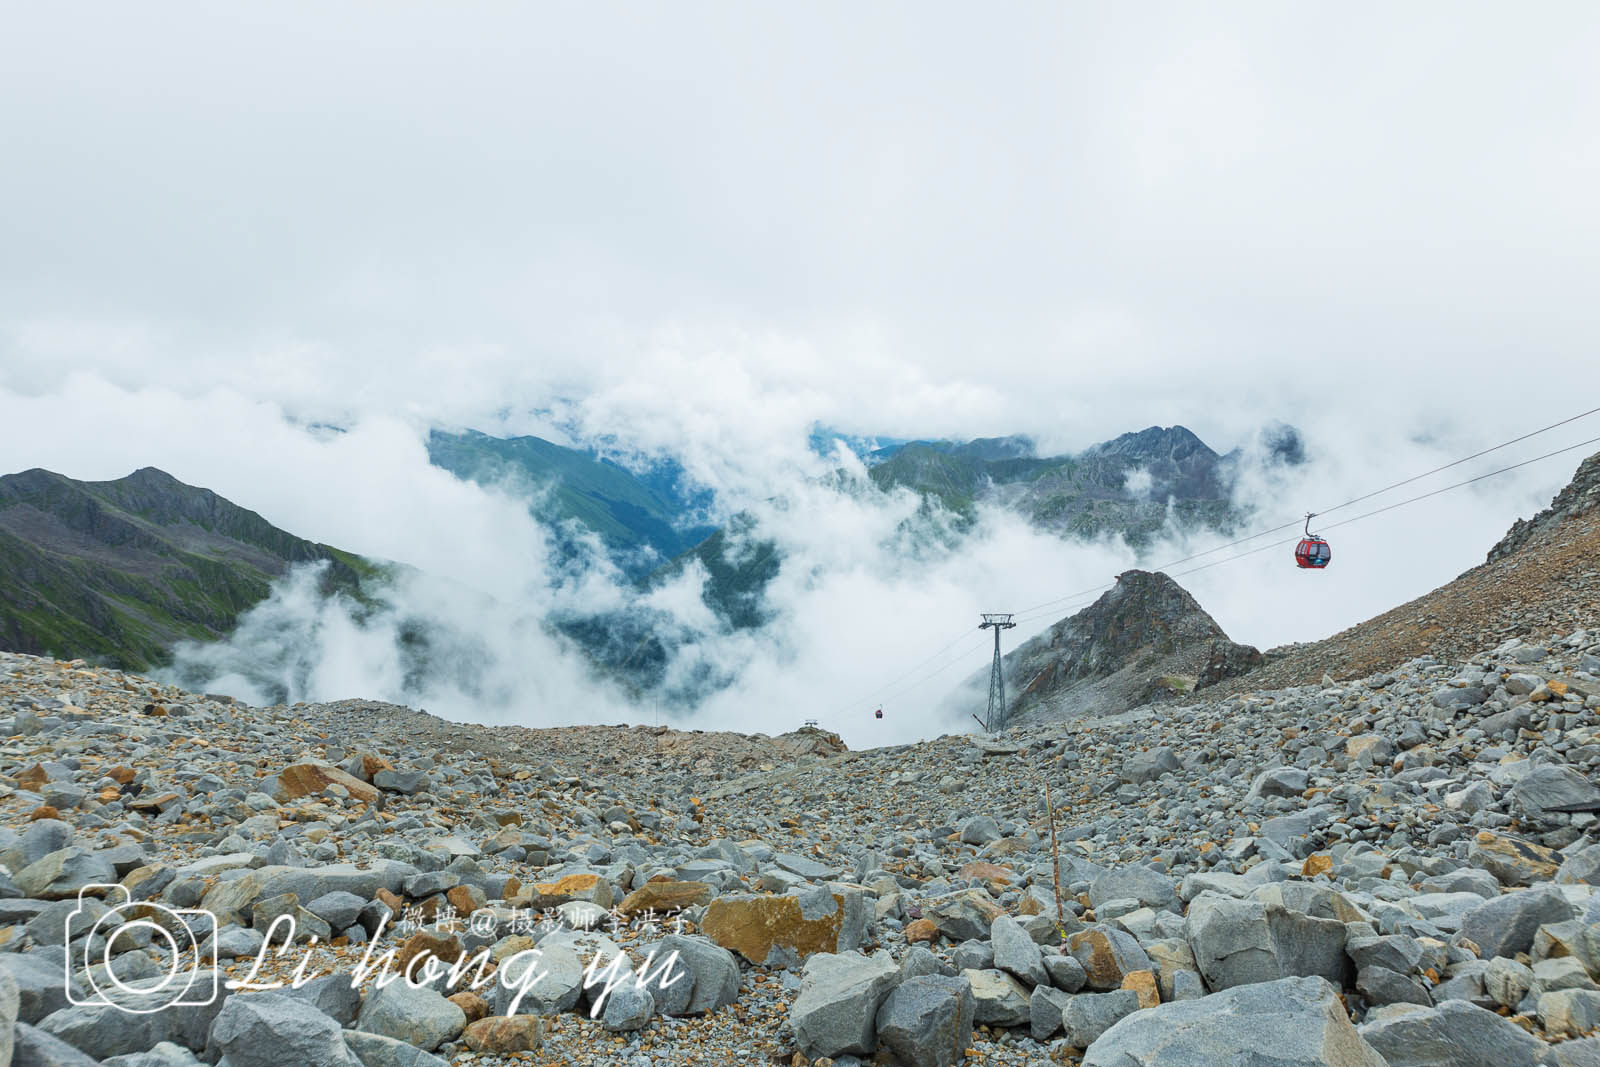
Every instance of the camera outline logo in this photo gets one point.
(193, 986)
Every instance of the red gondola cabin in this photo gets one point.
(1312, 553)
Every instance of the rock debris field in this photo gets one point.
(1392, 869)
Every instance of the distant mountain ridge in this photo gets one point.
(118, 571)
(1127, 486)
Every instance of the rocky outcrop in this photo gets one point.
(1144, 640)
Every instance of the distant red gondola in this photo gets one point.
(878, 714)
(1312, 553)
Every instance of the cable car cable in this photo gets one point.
(1027, 614)
(1336, 507)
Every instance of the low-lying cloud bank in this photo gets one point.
(877, 601)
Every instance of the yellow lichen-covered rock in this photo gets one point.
(1512, 860)
(1144, 984)
(308, 779)
(781, 931)
(587, 887)
(665, 896)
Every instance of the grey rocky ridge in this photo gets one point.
(1392, 867)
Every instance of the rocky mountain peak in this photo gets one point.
(1176, 443)
(1144, 638)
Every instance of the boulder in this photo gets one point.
(1570, 1012)
(1000, 1000)
(783, 931)
(1016, 952)
(1236, 942)
(979, 830)
(963, 916)
(375, 1050)
(1279, 782)
(1505, 925)
(1290, 1022)
(1148, 766)
(37, 980)
(1556, 788)
(628, 1007)
(1511, 859)
(837, 1009)
(1455, 1034)
(312, 778)
(1108, 955)
(1044, 1011)
(504, 1034)
(557, 977)
(266, 1030)
(406, 782)
(62, 873)
(416, 1015)
(704, 977)
(1149, 888)
(35, 1048)
(928, 1020)
(1089, 1015)
(666, 896)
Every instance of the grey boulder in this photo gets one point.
(414, 1014)
(837, 1009)
(266, 1030)
(1505, 925)
(1455, 1034)
(1291, 1022)
(35, 1048)
(928, 1020)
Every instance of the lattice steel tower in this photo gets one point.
(995, 720)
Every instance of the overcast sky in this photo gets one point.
(913, 215)
(704, 226)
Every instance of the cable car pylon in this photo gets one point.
(995, 720)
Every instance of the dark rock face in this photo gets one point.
(1580, 496)
(1146, 639)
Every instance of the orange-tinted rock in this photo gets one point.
(466, 899)
(371, 765)
(443, 949)
(589, 887)
(1103, 961)
(1315, 864)
(120, 774)
(308, 779)
(503, 1034)
(921, 930)
(986, 871)
(666, 897)
(471, 1003)
(1144, 984)
(784, 930)
(1513, 860)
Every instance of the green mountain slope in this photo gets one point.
(116, 572)
(641, 521)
